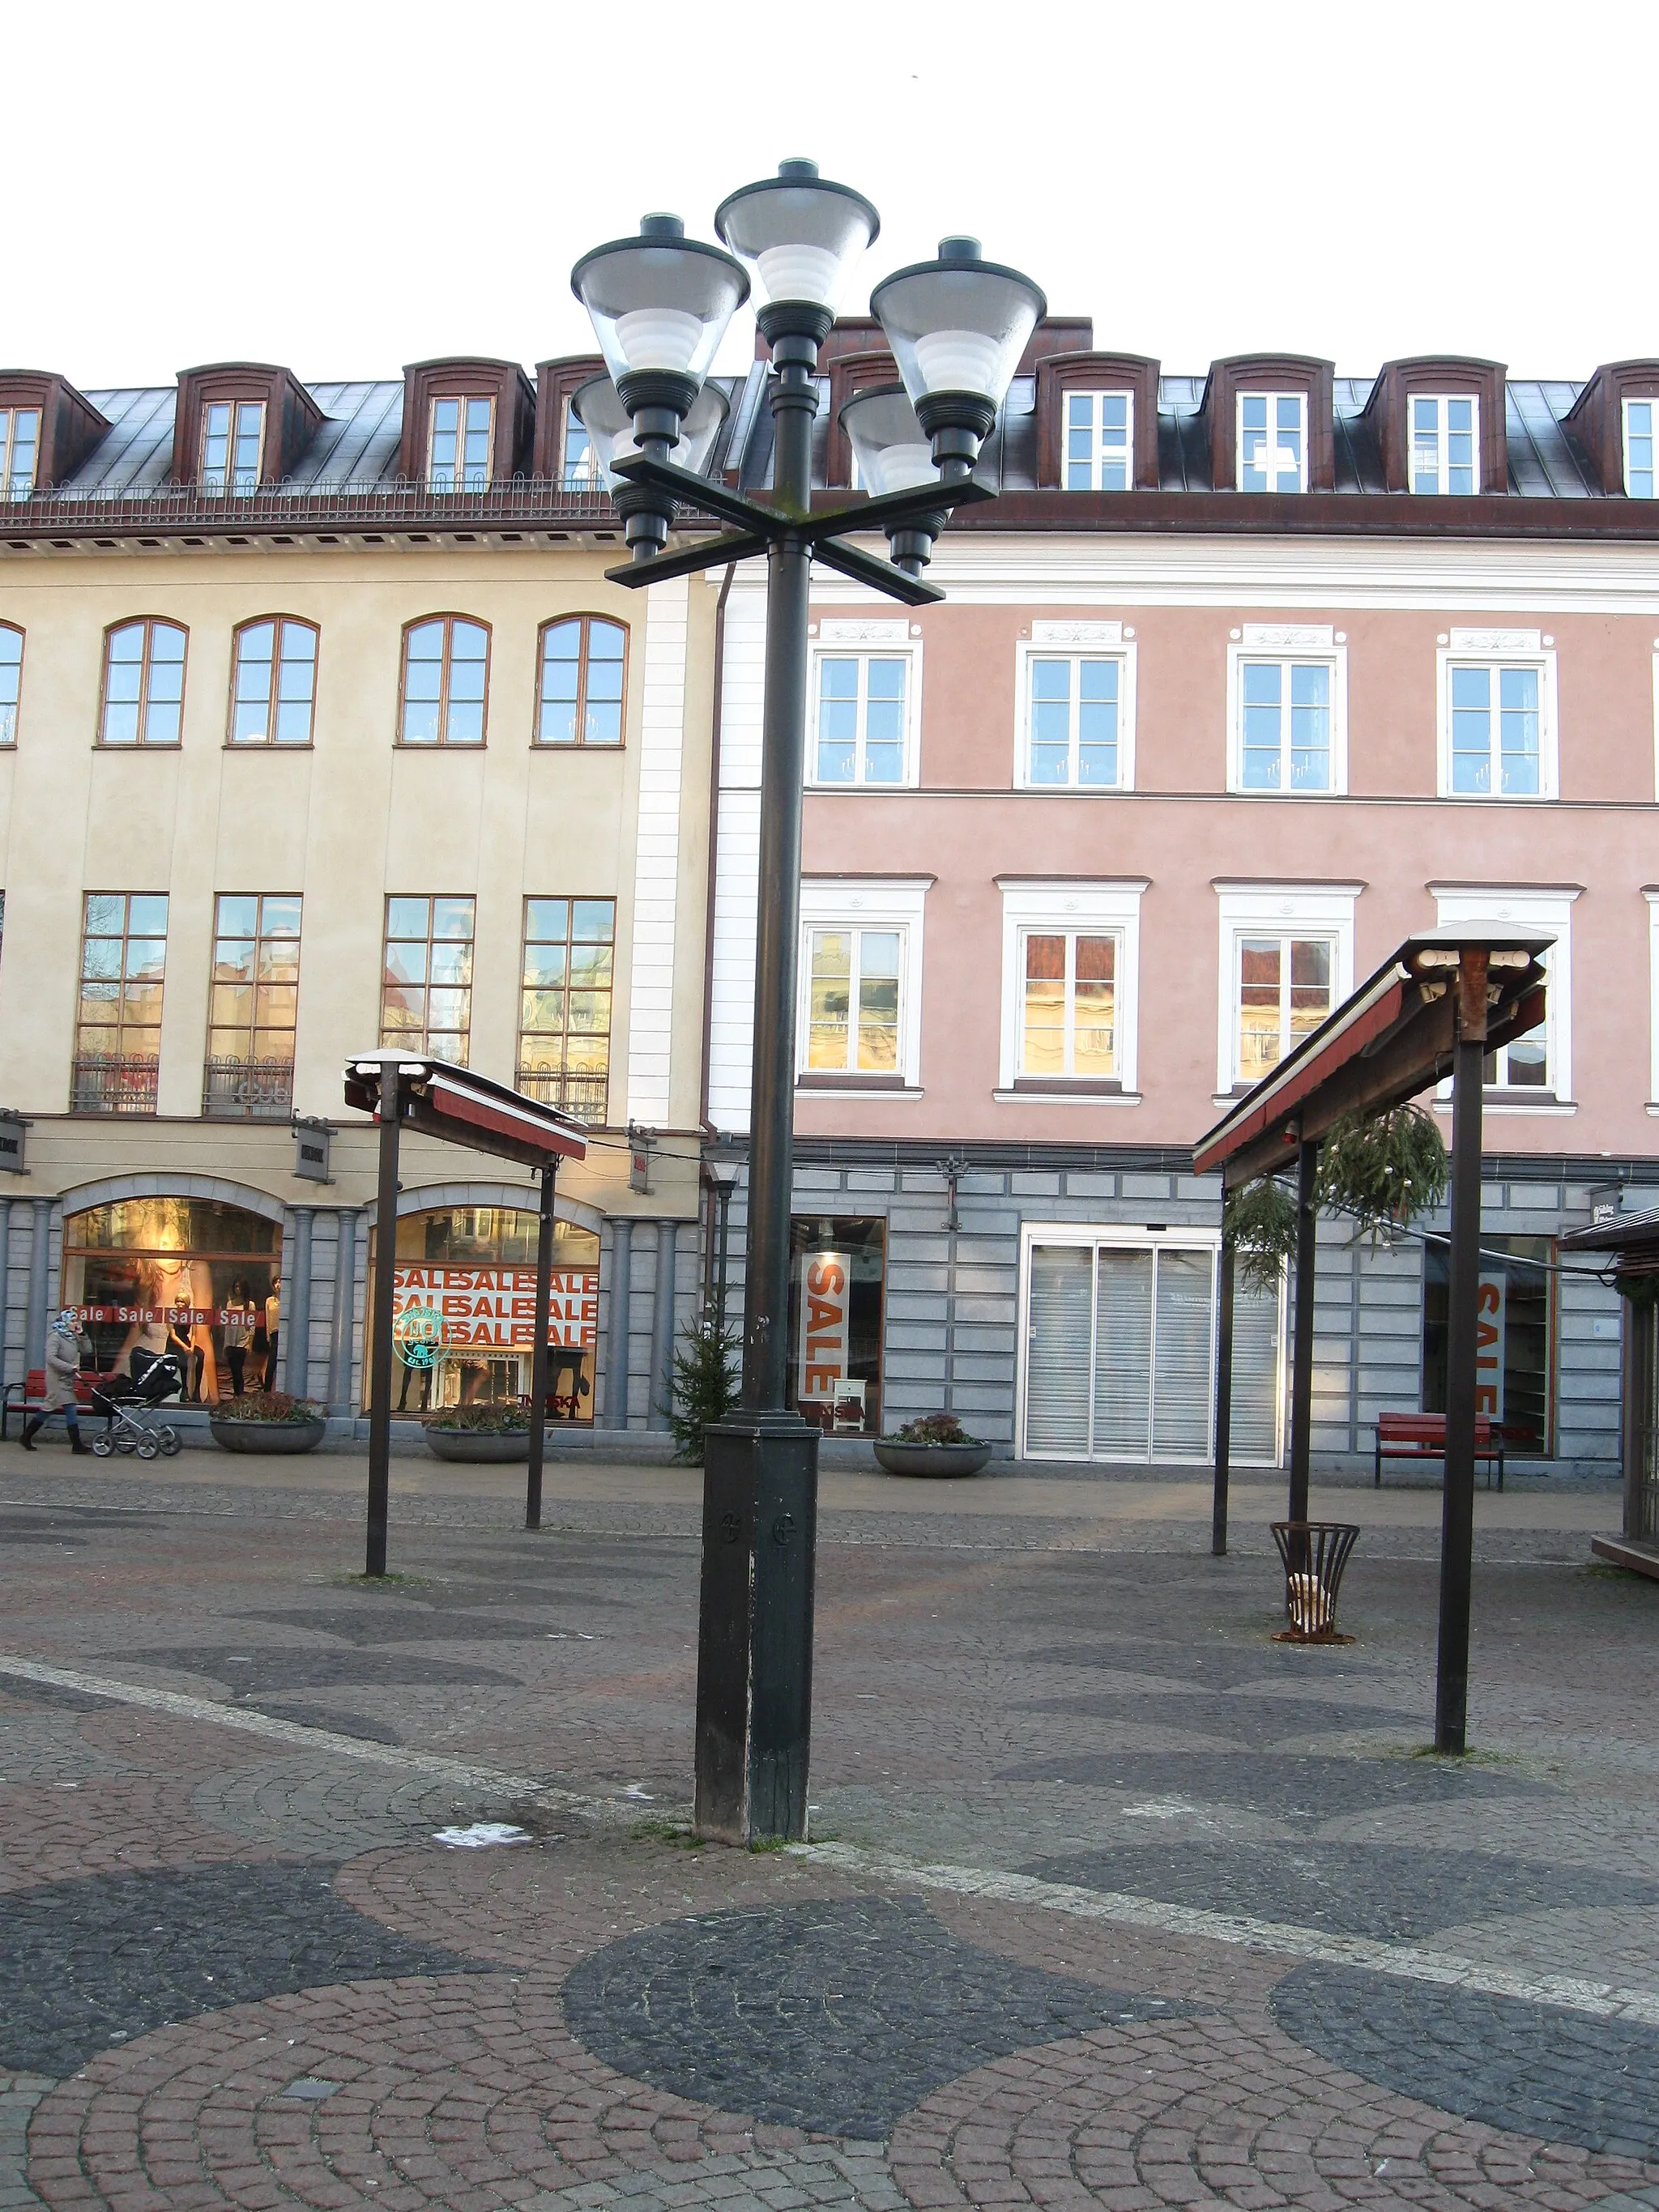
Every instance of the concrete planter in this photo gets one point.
(268, 1436)
(477, 1445)
(931, 1459)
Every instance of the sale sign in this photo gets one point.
(493, 1308)
(825, 1315)
(1490, 1299)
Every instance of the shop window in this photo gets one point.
(273, 687)
(11, 681)
(581, 681)
(464, 1312)
(254, 1008)
(190, 1275)
(836, 1282)
(143, 701)
(118, 1035)
(1515, 1341)
(425, 988)
(564, 1035)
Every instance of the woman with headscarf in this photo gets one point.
(63, 1364)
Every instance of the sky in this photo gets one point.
(348, 187)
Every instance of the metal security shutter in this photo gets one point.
(1181, 1373)
(1058, 1327)
(1123, 1355)
(1258, 1333)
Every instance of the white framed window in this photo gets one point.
(864, 678)
(1099, 442)
(233, 447)
(1533, 1074)
(1497, 714)
(1287, 709)
(458, 452)
(858, 1025)
(1273, 441)
(1445, 442)
(1639, 481)
(1287, 962)
(1075, 688)
(1652, 898)
(20, 451)
(1071, 967)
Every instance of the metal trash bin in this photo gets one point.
(1315, 1553)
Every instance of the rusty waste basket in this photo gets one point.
(1315, 1553)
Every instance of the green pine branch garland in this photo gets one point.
(1382, 1169)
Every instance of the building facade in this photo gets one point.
(1243, 679)
(321, 729)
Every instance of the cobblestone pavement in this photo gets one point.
(1116, 1902)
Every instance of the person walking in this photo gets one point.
(63, 1364)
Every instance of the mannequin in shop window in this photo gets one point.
(238, 1329)
(182, 1345)
(273, 1330)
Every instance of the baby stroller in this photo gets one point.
(124, 1400)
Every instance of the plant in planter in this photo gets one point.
(481, 1434)
(705, 1384)
(268, 1421)
(935, 1444)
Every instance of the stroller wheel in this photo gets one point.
(171, 1444)
(147, 1447)
(102, 1447)
(126, 1445)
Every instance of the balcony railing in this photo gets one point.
(105, 1083)
(396, 505)
(581, 1096)
(247, 1089)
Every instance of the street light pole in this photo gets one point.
(958, 326)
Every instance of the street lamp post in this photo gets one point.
(659, 304)
(723, 1169)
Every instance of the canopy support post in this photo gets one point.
(533, 1495)
(385, 1263)
(1307, 1221)
(1224, 1397)
(1451, 1694)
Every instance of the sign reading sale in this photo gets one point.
(824, 1318)
(1489, 1303)
(495, 1307)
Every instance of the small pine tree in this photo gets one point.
(705, 1384)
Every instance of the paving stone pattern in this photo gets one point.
(609, 2017)
(834, 2017)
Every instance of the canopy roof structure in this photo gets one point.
(439, 1099)
(1386, 1043)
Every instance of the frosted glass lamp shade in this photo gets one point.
(598, 407)
(799, 234)
(958, 325)
(892, 447)
(659, 303)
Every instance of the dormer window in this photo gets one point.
(1445, 435)
(233, 447)
(1099, 440)
(20, 451)
(457, 452)
(1638, 447)
(579, 468)
(1273, 441)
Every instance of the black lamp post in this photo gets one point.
(659, 305)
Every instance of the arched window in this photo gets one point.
(11, 681)
(273, 683)
(445, 682)
(581, 682)
(143, 701)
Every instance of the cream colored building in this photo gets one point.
(417, 603)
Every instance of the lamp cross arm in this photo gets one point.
(893, 507)
(700, 491)
(880, 576)
(706, 553)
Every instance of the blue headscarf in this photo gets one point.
(68, 1324)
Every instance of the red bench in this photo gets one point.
(28, 1396)
(1422, 1436)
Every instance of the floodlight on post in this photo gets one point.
(957, 327)
(659, 305)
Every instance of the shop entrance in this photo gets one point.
(1120, 1352)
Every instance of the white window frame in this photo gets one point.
(1253, 909)
(1440, 401)
(1289, 643)
(1625, 406)
(896, 902)
(837, 639)
(1546, 913)
(1094, 394)
(11, 490)
(1076, 641)
(1092, 909)
(1273, 399)
(1652, 898)
(1496, 649)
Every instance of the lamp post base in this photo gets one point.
(754, 1635)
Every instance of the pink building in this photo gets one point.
(1243, 678)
